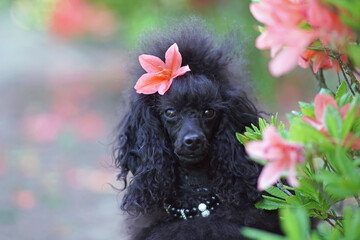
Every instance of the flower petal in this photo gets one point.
(321, 60)
(284, 61)
(355, 143)
(149, 83)
(321, 101)
(270, 174)
(257, 149)
(173, 58)
(313, 122)
(181, 71)
(151, 64)
(164, 86)
(271, 136)
(262, 13)
(291, 176)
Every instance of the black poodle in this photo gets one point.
(191, 177)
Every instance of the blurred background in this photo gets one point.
(62, 73)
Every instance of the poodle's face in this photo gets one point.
(190, 115)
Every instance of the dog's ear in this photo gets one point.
(234, 170)
(142, 149)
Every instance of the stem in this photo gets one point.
(333, 217)
(282, 188)
(357, 199)
(345, 70)
(320, 78)
(336, 226)
(327, 164)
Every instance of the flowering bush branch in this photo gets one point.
(319, 153)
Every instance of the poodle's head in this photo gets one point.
(190, 113)
(192, 125)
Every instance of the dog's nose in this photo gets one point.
(193, 141)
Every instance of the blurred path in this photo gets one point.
(58, 109)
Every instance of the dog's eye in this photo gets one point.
(209, 113)
(170, 113)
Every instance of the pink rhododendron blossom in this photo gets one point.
(286, 36)
(322, 101)
(281, 156)
(326, 22)
(77, 17)
(160, 75)
(282, 33)
(319, 59)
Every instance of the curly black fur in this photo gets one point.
(150, 144)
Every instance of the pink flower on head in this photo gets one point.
(322, 101)
(160, 75)
(281, 156)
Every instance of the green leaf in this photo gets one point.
(304, 133)
(333, 123)
(274, 120)
(274, 199)
(307, 109)
(260, 234)
(340, 91)
(241, 138)
(249, 129)
(276, 192)
(352, 223)
(262, 124)
(255, 128)
(354, 53)
(356, 124)
(349, 118)
(297, 114)
(294, 200)
(253, 136)
(345, 99)
(295, 223)
(338, 186)
(326, 91)
(328, 233)
(308, 189)
(269, 205)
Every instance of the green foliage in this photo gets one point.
(329, 176)
(255, 132)
(354, 53)
(333, 123)
(307, 109)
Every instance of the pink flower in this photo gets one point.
(322, 101)
(282, 32)
(291, 26)
(320, 59)
(326, 22)
(281, 156)
(286, 45)
(160, 75)
(72, 18)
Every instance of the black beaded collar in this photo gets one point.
(205, 207)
